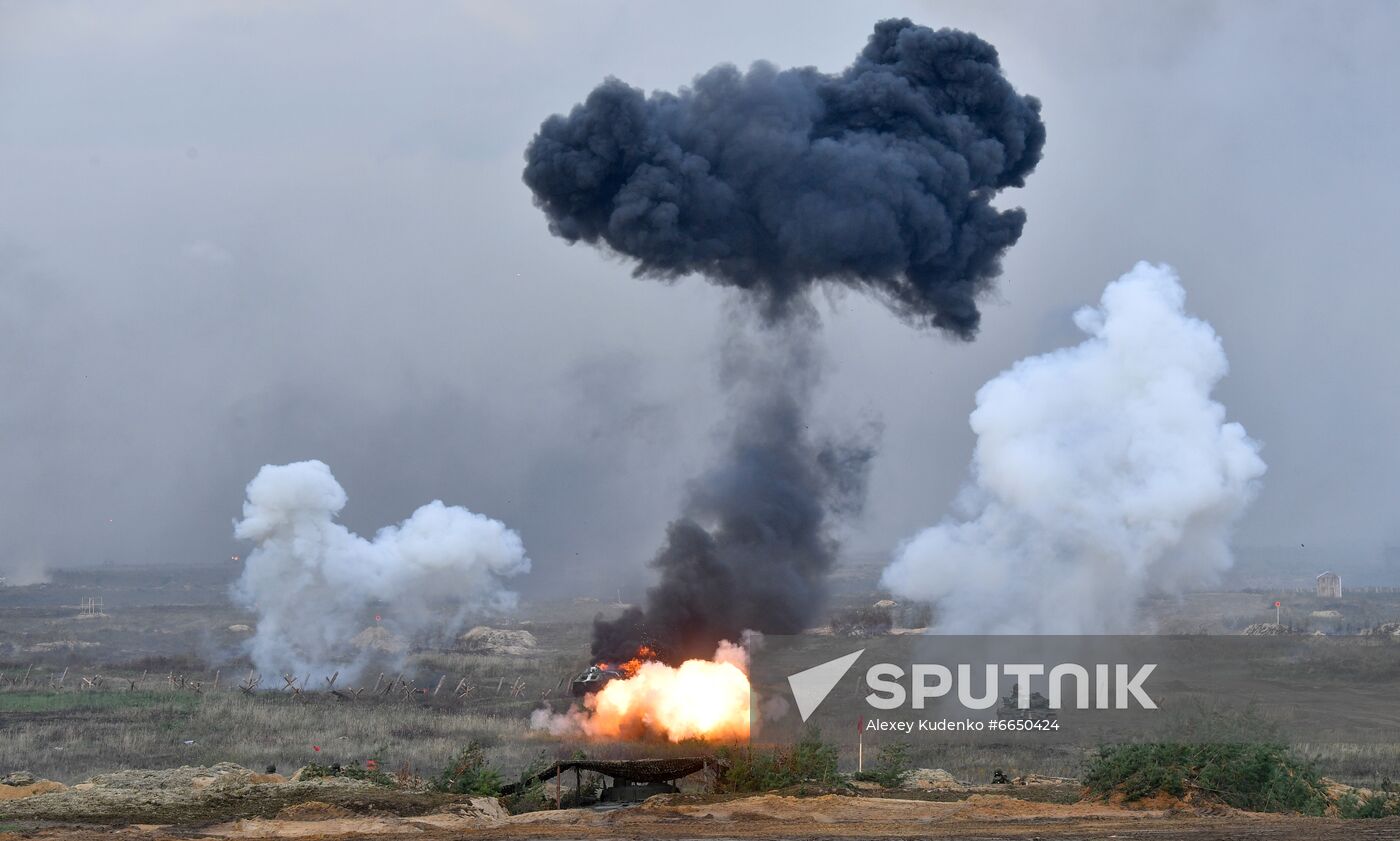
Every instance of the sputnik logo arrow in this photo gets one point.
(811, 686)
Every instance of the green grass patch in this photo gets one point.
(58, 702)
(764, 769)
(1252, 776)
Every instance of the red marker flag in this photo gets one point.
(1278, 604)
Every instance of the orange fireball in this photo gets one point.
(700, 699)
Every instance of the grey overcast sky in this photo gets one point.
(235, 233)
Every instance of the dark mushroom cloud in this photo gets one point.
(879, 179)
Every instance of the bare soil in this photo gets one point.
(775, 817)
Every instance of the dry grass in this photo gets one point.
(72, 734)
(69, 736)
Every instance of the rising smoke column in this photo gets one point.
(878, 179)
(312, 582)
(1102, 472)
(753, 545)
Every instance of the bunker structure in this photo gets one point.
(1329, 585)
(629, 780)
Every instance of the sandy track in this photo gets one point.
(774, 817)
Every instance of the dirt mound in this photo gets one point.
(1265, 629)
(378, 638)
(1039, 780)
(932, 778)
(324, 820)
(218, 792)
(16, 791)
(193, 777)
(313, 810)
(840, 809)
(499, 641)
(478, 811)
(770, 816)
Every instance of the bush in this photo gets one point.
(1375, 806)
(891, 767)
(349, 772)
(468, 773)
(763, 769)
(1259, 777)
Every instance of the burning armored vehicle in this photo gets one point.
(593, 679)
(598, 675)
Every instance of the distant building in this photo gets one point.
(1329, 585)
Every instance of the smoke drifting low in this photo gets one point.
(879, 178)
(315, 585)
(1102, 472)
(753, 545)
(23, 572)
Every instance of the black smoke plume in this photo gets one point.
(878, 179)
(752, 547)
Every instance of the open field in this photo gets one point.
(156, 704)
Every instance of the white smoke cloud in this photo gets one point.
(1102, 472)
(313, 582)
(20, 570)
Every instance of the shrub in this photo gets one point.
(1376, 806)
(1259, 777)
(891, 767)
(350, 772)
(763, 769)
(468, 773)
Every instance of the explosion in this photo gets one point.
(699, 699)
(630, 668)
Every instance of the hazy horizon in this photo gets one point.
(242, 234)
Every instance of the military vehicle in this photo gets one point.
(593, 679)
(1039, 709)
